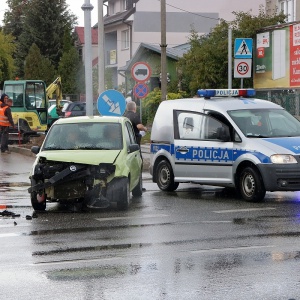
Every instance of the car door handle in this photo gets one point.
(183, 150)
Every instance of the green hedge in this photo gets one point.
(152, 101)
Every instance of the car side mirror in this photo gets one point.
(133, 148)
(35, 149)
(223, 134)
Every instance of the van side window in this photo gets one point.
(187, 125)
(211, 128)
(196, 126)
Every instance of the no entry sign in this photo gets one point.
(242, 68)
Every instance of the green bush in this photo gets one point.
(152, 101)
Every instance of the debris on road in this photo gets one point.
(6, 213)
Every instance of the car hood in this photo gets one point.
(90, 157)
(289, 145)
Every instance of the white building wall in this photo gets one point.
(219, 8)
(223, 7)
(94, 52)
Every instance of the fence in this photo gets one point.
(288, 99)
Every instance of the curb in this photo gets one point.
(20, 150)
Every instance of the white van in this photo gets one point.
(234, 141)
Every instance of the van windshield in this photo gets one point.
(266, 122)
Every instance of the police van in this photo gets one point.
(226, 138)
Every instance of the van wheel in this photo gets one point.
(124, 200)
(165, 177)
(38, 200)
(251, 186)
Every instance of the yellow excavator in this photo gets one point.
(30, 106)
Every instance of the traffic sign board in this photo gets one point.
(243, 48)
(140, 71)
(242, 68)
(140, 90)
(111, 103)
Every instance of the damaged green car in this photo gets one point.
(90, 160)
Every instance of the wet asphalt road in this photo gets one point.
(195, 243)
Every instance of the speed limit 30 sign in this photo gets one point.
(242, 68)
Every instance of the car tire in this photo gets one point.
(165, 177)
(38, 201)
(138, 190)
(124, 199)
(251, 186)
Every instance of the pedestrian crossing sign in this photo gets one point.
(243, 48)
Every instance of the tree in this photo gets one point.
(206, 64)
(68, 69)
(7, 48)
(45, 24)
(14, 17)
(38, 66)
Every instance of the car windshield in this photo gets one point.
(85, 136)
(266, 122)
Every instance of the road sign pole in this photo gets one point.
(229, 58)
(141, 113)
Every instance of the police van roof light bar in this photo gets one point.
(226, 93)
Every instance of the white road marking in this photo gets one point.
(132, 217)
(11, 225)
(242, 210)
(3, 235)
(232, 249)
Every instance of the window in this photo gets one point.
(197, 126)
(15, 92)
(288, 8)
(123, 5)
(129, 135)
(189, 125)
(111, 8)
(125, 39)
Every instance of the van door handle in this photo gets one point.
(183, 150)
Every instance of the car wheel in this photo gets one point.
(124, 200)
(38, 200)
(251, 186)
(165, 177)
(138, 190)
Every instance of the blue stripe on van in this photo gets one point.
(207, 153)
(290, 143)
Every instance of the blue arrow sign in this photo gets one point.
(243, 48)
(111, 103)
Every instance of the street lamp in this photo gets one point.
(87, 7)
(163, 46)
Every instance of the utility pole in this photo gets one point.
(87, 8)
(101, 55)
(229, 57)
(163, 47)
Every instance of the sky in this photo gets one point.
(74, 7)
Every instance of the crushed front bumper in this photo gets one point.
(94, 185)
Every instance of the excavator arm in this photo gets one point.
(55, 87)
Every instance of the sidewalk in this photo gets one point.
(145, 152)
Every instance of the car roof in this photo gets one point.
(62, 100)
(221, 104)
(90, 119)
